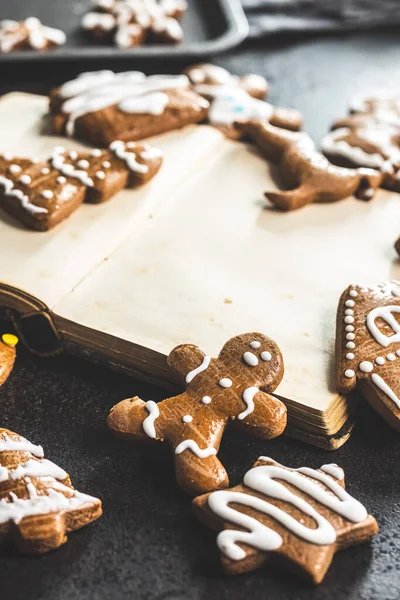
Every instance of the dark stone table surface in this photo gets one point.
(148, 545)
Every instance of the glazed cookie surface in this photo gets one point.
(297, 518)
(231, 388)
(368, 346)
(30, 34)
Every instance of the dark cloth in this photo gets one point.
(273, 16)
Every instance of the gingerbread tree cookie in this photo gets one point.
(38, 505)
(41, 194)
(231, 388)
(368, 346)
(309, 176)
(295, 517)
(369, 137)
(103, 106)
(8, 344)
(30, 34)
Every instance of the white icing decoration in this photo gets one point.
(350, 345)
(206, 400)
(48, 194)
(334, 470)
(83, 163)
(14, 169)
(250, 359)
(45, 171)
(385, 313)
(349, 311)
(390, 356)
(19, 444)
(129, 158)
(100, 175)
(225, 382)
(382, 385)
(194, 447)
(248, 399)
(106, 164)
(58, 163)
(148, 423)
(95, 20)
(255, 344)
(350, 336)
(73, 155)
(9, 191)
(233, 104)
(380, 360)
(187, 419)
(349, 328)
(96, 152)
(349, 319)
(204, 365)
(25, 180)
(366, 366)
(37, 468)
(262, 480)
(39, 35)
(349, 373)
(350, 303)
(333, 144)
(266, 356)
(349, 356)
(353, 293)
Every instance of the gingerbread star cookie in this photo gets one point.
(30, 34)
(38, 505)
(40, 194)
(235, 387)
(309, 176)
(369, 137)
(295, 517)
(102, 106)
(8, 343)
(241, 99)
(368, 346)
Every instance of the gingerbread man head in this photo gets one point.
(231, 388)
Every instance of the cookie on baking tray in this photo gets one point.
(235, 387)
(297, 518)
(308, 175)
(8, 343)
(30, 34)
(369, 137)
(236, 98)
(38, 505)
(40, 194)
(102, 106)
(368, 346)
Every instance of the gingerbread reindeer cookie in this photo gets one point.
(8, 344)
(40, 194)
(38, 505)
(295, 517)
(368, 346)
(369, 137)
(231, 388)
(309, 175)
(102, 106)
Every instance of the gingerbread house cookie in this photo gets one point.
(297, 518)
(233, 388)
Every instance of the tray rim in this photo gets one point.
(237, 31)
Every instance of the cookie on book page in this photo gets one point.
(30, 34)
(41, 194)
(368, 346)
(38, 505)
(102, 106)
(235, 387)
(307, 174)
(296, 518)
(8, 343)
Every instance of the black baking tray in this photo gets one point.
(210, 26)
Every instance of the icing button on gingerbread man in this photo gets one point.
(235, 387)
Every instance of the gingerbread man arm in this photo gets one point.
(7, 355)
(268, 419)
(133, 418)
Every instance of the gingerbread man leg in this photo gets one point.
(291, 199)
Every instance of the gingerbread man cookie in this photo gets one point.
(38, 505)
(370, 137)
(103, 106)
(368, 346)
(238, 99)
(309, 175)
(295, 517)
(30, 34)
(234, 387)
(41, 194)
(8, 344)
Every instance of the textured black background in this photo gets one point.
(148, 545)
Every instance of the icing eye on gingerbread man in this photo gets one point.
(233, 388)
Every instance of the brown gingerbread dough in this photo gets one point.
(8, 343)
(235, 387)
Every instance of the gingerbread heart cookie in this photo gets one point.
(297, 518)
(369, 137)
(235, 387)
(41, 194)
(368, 346)
(8, 343)
(102, 106)
(30, 34)
(38, 505)
(309, 176)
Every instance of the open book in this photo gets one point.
(194, 257)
